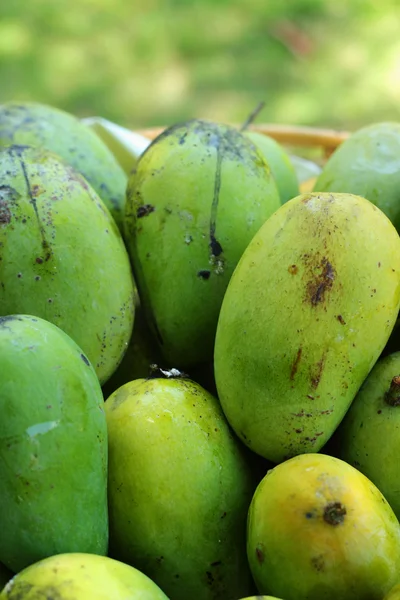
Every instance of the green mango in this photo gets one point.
(62, 256)
(318, 529)
(305, 317)
(196, 198)
(53, 445)
(5, 576)
(367, 164)
(81, 576)
(279, 162)
(179, 489)
(368, 437)
(34, 124)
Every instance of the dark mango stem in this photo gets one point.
(252, 116)
(392, 397)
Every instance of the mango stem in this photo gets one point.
(252, 116)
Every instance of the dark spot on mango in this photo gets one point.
(216, 563)
(317, 370)
(5, 213)
(85, 360)
(295, 364)
(318, 562)
(321, 281)
(293, 269)
(341, 320)
(215, 246)
(334, 513)
(260, 555)
(392, 396)
(144, 210)
(210, 577)
(204, 274)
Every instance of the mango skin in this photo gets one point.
(179, 490)
(367, 164)
(278, 161)
(63, 258)
(369, 436)
(196, 198)
(320, 530)
(394, 593)
(81, 576)
(312, 318)
(34, 124)
(53, 446)
(5, 576)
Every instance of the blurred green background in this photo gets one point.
(333, 63)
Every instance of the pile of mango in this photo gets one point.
(199, 366)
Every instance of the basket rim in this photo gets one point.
(295, 135)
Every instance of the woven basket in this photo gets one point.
(288, 135)
(315, 143)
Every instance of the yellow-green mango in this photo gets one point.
(306, 315)
(179, 489)
(81, 576)
(34, 124)
(369, 436)
(318, 529)
(367, 164)
(279, 162)
(53, 445)
(5, 576)
(197, 196)
(62, 256)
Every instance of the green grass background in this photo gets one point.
(141, 63)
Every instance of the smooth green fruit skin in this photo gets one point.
(34, 124)
(367, 164)
(5, 576)
(198, 195)
(369, 435)
(179, 490)
(279, 162)
(53, 446)
(80, 576)
(296, 552)
(63, 258)
(306, 315)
